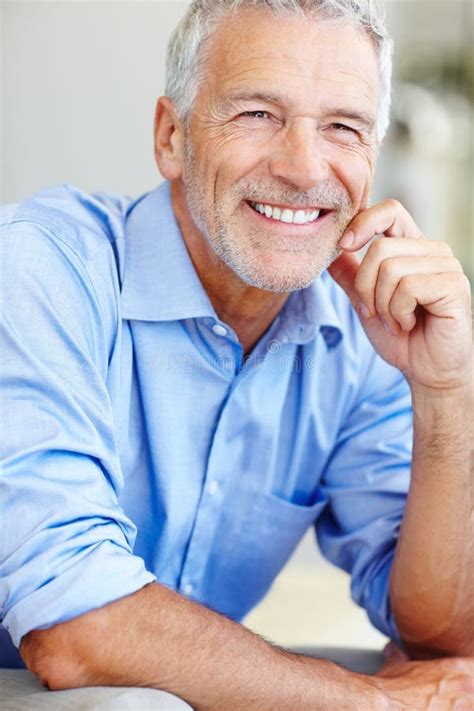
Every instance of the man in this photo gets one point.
(188, 389)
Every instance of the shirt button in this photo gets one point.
(213, 487)
(188, 589)
(219, 330)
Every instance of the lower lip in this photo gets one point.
(307, 226)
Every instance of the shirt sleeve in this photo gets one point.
(66, 545)
(366, 483)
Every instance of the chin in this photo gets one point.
(281, 278)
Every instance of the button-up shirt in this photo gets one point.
(138, 443)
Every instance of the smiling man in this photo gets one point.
(193, 379)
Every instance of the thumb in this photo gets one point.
(343, 270)
(393, 657)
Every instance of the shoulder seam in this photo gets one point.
(82, 261)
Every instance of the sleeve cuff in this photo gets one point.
(106, 574)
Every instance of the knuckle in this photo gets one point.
(457, 265)
(377, 249)
(445, 249)
(464, 282)
(457, 665)
(459, 682)
(406, 285)
(465, 682)
(394, 204)
(389, 270)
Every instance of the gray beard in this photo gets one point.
(242, 261)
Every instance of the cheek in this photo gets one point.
(356, 174)
(239, 160)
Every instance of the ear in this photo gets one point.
(169, 140)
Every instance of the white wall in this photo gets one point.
(81, 77)
(80, 83)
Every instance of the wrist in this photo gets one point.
(456, 399)
(334, 687)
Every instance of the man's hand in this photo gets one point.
(440, 685)
(411, 295)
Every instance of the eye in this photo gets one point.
(256, 114)
(342, 127)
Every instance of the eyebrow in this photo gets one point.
(362, 117)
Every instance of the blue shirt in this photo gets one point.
(138, 443)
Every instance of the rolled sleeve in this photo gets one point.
(66, 545)
(366, 483)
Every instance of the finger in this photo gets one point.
(388, 217)
(440, 294)
(344, 271)
(392, 270)
(393, 657)
(463, 704)
(383, 249)
(394, 652)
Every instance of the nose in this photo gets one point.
(298, 157)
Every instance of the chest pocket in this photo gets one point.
(257, 533)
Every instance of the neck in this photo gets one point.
(247, 310)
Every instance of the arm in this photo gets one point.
(434, 561)
(156, 638)
(60, 474)
(159, 639)
(417, 315)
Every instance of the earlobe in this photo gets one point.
(169, 142)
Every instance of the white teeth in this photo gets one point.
(297, 217)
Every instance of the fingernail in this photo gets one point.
(364, 311)
(347, 240)
(387, 327)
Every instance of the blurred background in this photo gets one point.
(78, 86)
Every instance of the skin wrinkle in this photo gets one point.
(249, 72)
(235, 45)
(235, 105)
(298, 158)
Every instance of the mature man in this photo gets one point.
(187, 389)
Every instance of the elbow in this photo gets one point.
(435, 641)
(430, 633)
(49, 654)
(452, 646)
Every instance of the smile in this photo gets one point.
(288, 215)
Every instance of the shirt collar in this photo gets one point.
(312, 310)
(161, 284)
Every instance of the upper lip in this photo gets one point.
(294, 208)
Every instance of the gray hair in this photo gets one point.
(184, 61)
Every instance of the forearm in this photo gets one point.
(158, 639)
(432, 578)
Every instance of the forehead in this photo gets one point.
(313, 58)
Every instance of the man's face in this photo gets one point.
(280, 146)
